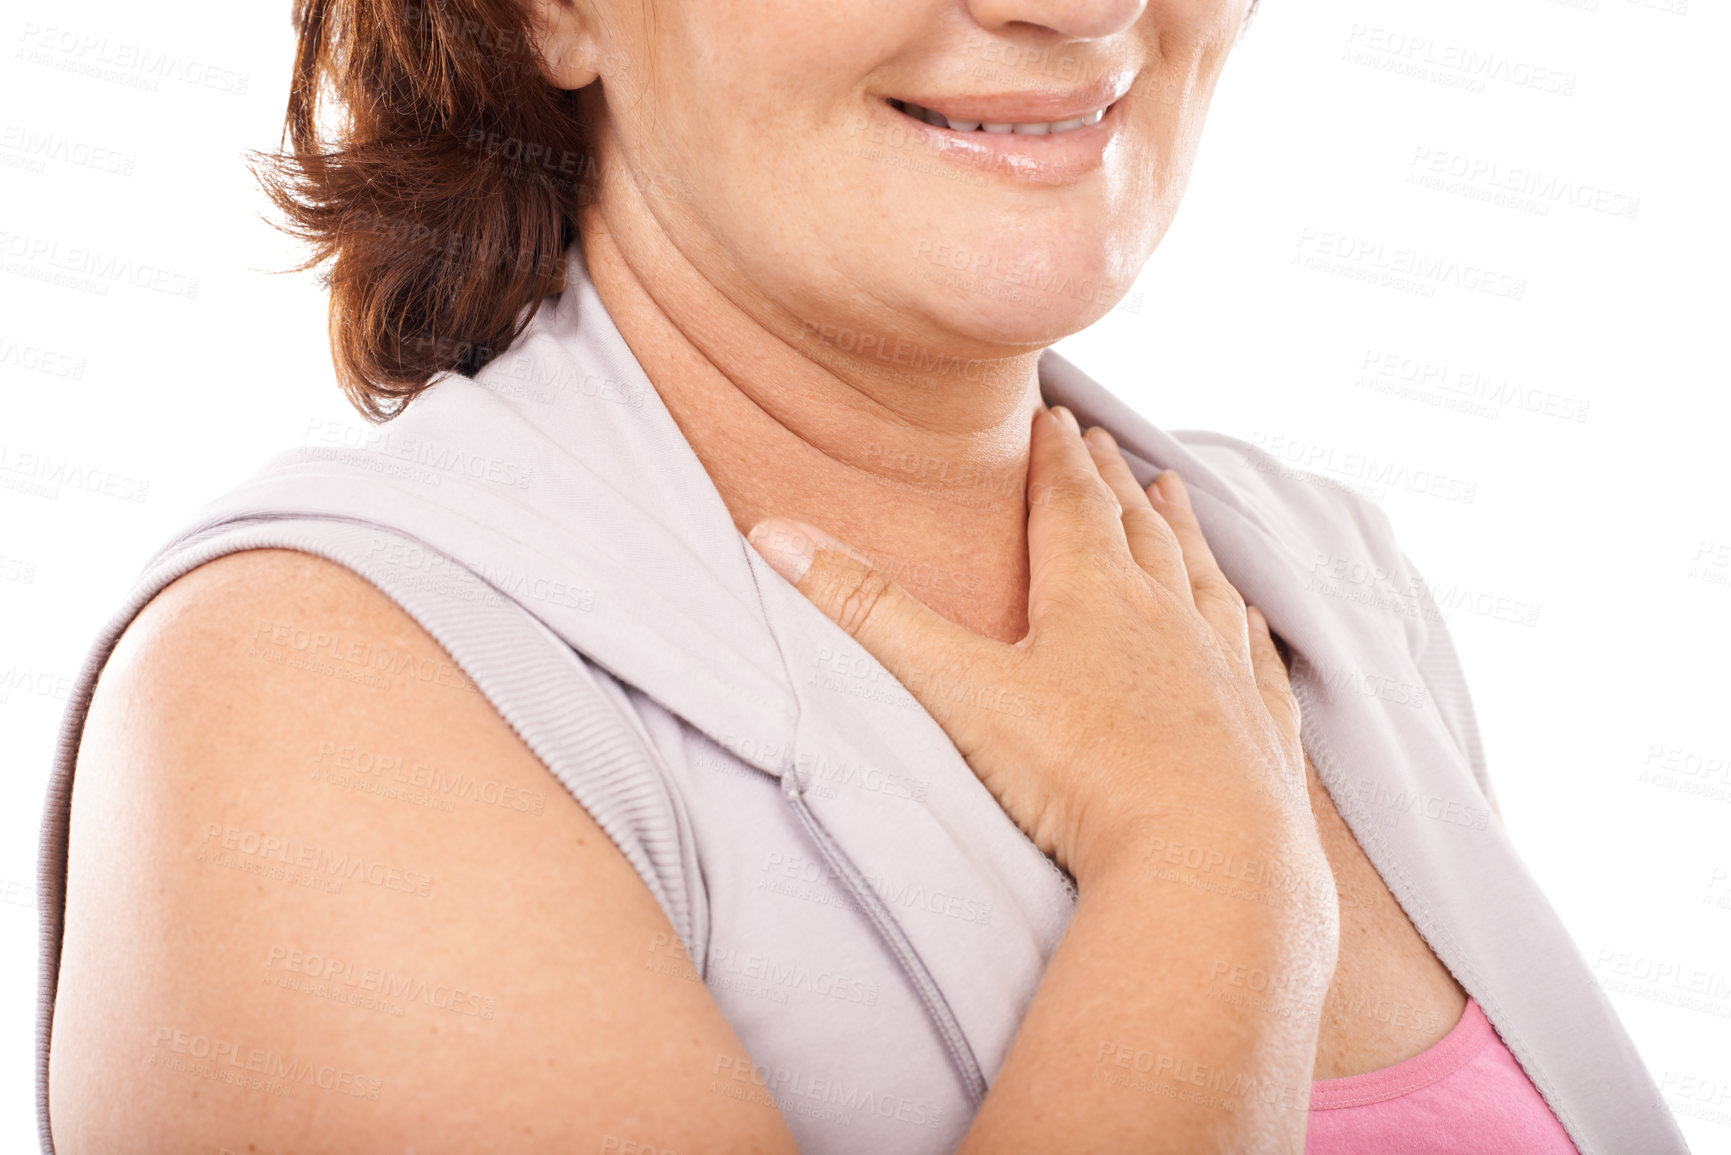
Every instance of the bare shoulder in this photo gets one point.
(320, 898)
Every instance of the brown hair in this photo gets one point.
(445, 196)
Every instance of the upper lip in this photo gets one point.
(1028, 106)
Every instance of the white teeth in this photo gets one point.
(938, 120)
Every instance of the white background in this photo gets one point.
(1612, 533)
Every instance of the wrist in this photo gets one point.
(1246, 854)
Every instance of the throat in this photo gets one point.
(935, 497)
(955, 539)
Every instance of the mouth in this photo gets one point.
(1045, 137)
(956, 122)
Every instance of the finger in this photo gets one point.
(1217, 599)
(923, 650)
(1152, 542)
(1073, 517)
(1272, 679)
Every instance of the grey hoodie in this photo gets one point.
(870, 921)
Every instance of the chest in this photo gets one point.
(1390, 997)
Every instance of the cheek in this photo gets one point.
(1191, 40)
(740, 91)
(1187, 22)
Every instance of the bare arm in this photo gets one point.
(492, 978)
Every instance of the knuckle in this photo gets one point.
(1104, 573)
(856, 599)
(1146, 521)
(1072, 488)
(1169, 540)
(1215, 586)
(1076, 477)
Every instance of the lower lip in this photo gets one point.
(1053, 159)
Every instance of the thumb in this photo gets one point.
(913, 642)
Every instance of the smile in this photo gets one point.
(937, 119)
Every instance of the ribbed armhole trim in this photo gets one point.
(537, 682)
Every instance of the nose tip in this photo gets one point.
(1072, 19)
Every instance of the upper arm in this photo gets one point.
(315, 908)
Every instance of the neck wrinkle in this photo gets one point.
(939, 503)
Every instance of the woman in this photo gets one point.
(481, 788)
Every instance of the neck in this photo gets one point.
(925, 472)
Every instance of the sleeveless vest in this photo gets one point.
(868, 918)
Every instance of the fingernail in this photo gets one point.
(1157, 495)
(785, 545)
(1068, 418)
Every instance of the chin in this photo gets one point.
(1015, 317)
(1010, 293)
